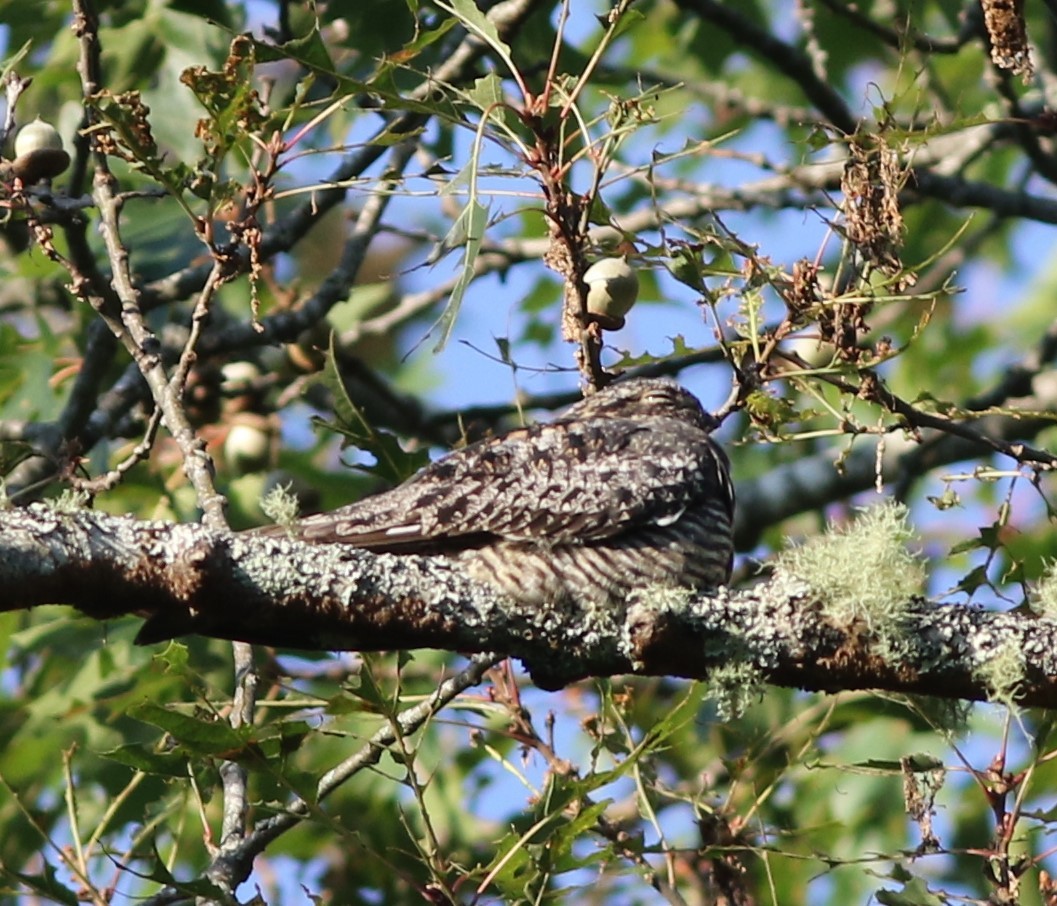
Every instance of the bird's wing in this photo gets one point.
(555, 483)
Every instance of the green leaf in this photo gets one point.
(200, 736)
(914, 893)
(230, 97)
(142, 758)
(973, 580)
(392, 462)
(45, 885)
(157, 870)
(423, 39)
(686, 266)
(212, 10)
(629, 19)
(130, 126)
(468, 229)
(9, 63)
(364, 687)
(311, 51)
(481, 25)
(487, 92)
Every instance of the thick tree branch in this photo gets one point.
(186, 578)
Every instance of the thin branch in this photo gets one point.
(901, 37)
(238, 862)
(508, 16)
(811, 482)
(132, 330)
(784, 57)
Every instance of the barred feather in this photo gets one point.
(625, 489)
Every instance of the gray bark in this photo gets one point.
(189, 579)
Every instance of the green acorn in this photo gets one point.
(612, 288)
(38, 153)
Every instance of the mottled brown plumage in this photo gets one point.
(624, 490)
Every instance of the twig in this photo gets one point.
(143, 346)
(238, 862)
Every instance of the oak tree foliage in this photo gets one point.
(310, 245)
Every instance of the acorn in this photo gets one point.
(238, 377)
(38, 153)
(612, 288)
(248, 444)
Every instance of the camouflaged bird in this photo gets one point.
(624, 490)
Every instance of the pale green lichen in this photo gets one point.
(1043, 597)
(280, 505)
(862, 571)
(70, 501)
(1003, 672)
(667, 598)
(733, 688)
(949, 716)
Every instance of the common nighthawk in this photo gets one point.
(624, 490)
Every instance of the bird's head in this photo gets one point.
(643, 398)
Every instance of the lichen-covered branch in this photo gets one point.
(186, 578)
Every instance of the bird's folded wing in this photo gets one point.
(548, 483)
